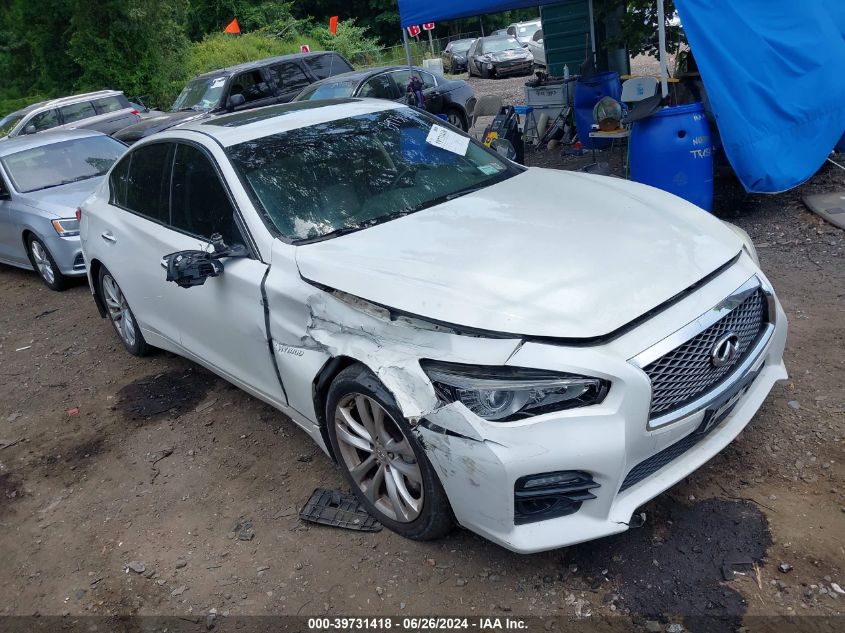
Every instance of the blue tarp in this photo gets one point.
(414, 12)
(774, 71)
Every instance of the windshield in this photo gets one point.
(462, 46)
(500, 44)
(328, 90)
(62, 163)
(200, 95)
(7, 123)
(336, 177)
(527, 30)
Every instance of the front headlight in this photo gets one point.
(66, 227)
(502, 394)
(748, 244)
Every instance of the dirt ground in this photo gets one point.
(108, 461)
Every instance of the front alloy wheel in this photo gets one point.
(381, 458)
(377, 455)
(121, 315)
(45, 265)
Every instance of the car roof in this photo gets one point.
(30, 141)
(361, 75)
(239, 127)
(498, 37)
(60, 101)
(230, 70)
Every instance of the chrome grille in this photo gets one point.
(686, 373)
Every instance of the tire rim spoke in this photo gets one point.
(405, 499)
(363, 469)
(353, 424)
(375, 484)
(410, 471)
(353, 440)
(400, 447)
(361, 405)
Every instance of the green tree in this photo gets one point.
(137, 45)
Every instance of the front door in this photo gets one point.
(221, 322)
(434, 101)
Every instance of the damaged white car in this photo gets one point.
(531, 354)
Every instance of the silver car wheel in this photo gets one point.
(379, 457)
(455, 119)
(119, 311)
(42, 262)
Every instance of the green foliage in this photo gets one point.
(350, 40)
(221, 50)
(638, 27)
(137, 45)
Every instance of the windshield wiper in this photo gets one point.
(67, 182)
(464, 192)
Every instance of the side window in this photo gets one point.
(45, 120)
(4, 190)
(327, 65)
(428, 80)
(109, 104)
(289, 77)
(200, 204)
(378, 87)
(147, 185)
(511, 30)
(117, 182)
(251, 85)
(78, 111)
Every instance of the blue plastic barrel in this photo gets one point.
(588, 92)
(672, 150)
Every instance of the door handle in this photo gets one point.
(108, 236)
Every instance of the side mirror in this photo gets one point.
(30, 129)
(191, 268)
(504, 147)
(235, 101)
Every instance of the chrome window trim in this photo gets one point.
(690, 330)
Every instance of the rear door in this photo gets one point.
(327, 65)
(130, 235)
(290, 79)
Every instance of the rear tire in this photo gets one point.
(120, 315)
(456, 118)
(381, 458)
(44, 264)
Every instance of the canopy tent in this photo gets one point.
(772, 68)
(774, 78)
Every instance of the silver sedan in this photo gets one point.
(43, 180)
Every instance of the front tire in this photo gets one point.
(121, 316)
(44, 264)
(382, 460)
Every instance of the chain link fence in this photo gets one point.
(421, 48)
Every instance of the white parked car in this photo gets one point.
(530, 353)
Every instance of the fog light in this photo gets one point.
(489, 66)
(551, 495)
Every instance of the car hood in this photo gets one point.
(545, 253)
(507, 56)
(61, 201)
(153, 124)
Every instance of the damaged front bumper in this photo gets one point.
(614, 461)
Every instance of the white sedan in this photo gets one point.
(531, 354)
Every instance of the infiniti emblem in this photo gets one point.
(724, 350)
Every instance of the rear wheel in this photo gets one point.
(45, 265)
(382, 460)
(121, 315)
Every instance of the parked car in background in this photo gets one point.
(347, 262)
(454, 56)
(537, 49)
(43, 180)
(500, 32)
(106, 111)
(524, 31)
(242, 87)
(498, 56)
(454, 98)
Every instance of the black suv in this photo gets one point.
(250, 85)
